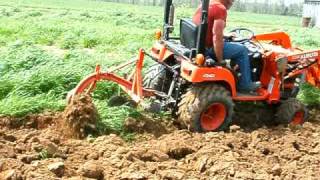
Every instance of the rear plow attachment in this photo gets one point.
(132, 84)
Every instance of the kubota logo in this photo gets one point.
(209, 75)
(306, 55)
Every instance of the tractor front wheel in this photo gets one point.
(292, 112)
(206, 107)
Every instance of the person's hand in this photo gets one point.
(222, 63)
(230, 36)
(211, 62)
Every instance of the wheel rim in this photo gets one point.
(213, 117)
(298, 118)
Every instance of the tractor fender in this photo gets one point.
(160, 52)
(197, 74)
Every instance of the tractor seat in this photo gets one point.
(188, 33)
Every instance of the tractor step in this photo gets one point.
(241, 94)
(261, 94)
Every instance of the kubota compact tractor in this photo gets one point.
(201, 93)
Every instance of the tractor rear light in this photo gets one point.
(200, 59)
(158, 35)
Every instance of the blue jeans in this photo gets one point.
(239, 54)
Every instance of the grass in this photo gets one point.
(46, 47)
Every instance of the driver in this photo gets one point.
(220, 50)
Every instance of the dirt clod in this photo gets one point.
(57, 168)
(79, 117)
(92, 169)
(146, 125)
(133, 176)
(10, 138)
(1, 165)
(29, 158)
(10, 175)
(234, 128)
(276, 170)
(201, 164)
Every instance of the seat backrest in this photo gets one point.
(188, 33)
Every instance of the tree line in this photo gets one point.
(256, 6)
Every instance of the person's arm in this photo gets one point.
(217, 31)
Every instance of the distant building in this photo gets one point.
(311, 10)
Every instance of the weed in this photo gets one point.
(5, 88)
(85, 14)
(90, 41)
(309, 95)
(4, 12)
(43, 154)
(127, 136)
(16, 10)
(69, 41)
(35, 14)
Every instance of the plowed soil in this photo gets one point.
(36, 147)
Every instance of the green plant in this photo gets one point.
(5, 88)
(35, 14)
(4, 12)
(309, 95)
(90, 41)
(16, 10)
(43, 154)
(85, 14)
(69, 41)
(127, 136)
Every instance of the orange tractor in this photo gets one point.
(201, 93)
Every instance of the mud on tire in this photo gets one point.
(292, 112)
(197, 100)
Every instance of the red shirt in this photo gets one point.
(216, 11)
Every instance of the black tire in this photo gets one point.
(288, 111)
(157, 78)
(197, 100)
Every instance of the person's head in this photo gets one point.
(227, 3)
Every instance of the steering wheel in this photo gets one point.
(242, 34)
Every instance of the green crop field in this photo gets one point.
(47, 47)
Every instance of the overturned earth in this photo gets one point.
(53, 146)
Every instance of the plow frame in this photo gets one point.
(132, 84)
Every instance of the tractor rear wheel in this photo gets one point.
(206, 107)
(292, 112)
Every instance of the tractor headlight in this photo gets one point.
(158, 34)
(200, 60)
